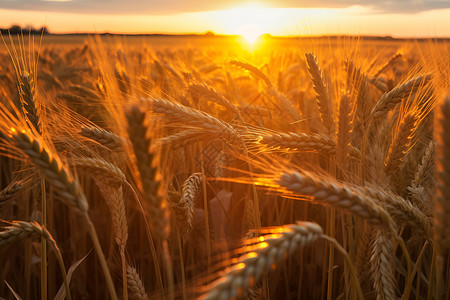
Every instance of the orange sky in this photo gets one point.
(403, 18)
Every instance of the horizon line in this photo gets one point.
(212, 34)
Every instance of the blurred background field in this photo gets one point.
(195, 153)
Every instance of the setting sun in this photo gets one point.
(251, 32)
(250, 20)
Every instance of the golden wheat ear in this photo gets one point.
(184, 207)
(24, 62)
(11, 190)
(324, 101)
(105, 138)
(260, 259)
(137, 289)
(52, 169)
(390, 99)
(146, 164)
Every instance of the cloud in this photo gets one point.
(381, 6)
(159, 7)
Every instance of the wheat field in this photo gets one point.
(314, 168)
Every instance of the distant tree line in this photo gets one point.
(16, 29)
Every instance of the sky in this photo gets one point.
(398, 18)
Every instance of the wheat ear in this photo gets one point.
(323, 98)
(344, 130)
(203, 91)
(328, 191)
(116, 203)
(27, 91)
(150, 183)
(361, 116)
(184, 208)
(11, 190)
(105, 138)
(51, 167)
(19, 230)
(67, 187)
(102, 169)
(137, 289)
(32, 111)
(83, 91)
(285, 103)
(378, 83)
(382, 261)
(148, 172)
(400, 144)
(252, 69)
(403, 212)
(390, 99)
(185, 115)
(423, 184)
(424, 173)
(260, 258)
(182, 138)
(388, 64)
(278, 140)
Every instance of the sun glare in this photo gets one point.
(249, 21)
(251, 32)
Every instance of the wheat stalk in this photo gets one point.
(442, 199)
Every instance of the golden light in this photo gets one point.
(240, 266)
(250, 20)
(263, 245)
(251, 32)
